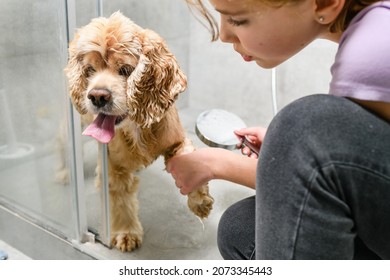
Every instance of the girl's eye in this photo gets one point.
(236, 22)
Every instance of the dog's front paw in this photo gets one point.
(200, 202)
(127, 242)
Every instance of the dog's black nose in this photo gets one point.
(99, 97)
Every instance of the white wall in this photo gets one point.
(220, 78)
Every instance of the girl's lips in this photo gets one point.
(244, 56)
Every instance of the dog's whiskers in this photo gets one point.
(119, 107)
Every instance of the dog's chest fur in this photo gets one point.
(144, 145)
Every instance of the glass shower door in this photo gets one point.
(38, 177)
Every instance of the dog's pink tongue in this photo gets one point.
(102, 128)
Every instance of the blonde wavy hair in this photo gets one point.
(350, 9)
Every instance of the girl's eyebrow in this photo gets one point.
(230, 13)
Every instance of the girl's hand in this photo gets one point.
(255, 135)
(191, 170)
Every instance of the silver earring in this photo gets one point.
(321, 18)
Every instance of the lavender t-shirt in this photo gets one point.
(362, 65)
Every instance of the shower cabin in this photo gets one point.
(49, 206)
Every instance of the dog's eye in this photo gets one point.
(125, 70)
(89, 71)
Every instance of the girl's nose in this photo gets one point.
(225, 34)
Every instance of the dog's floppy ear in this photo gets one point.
(77, 81)
(155, 82)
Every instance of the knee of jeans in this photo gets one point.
(305, 110)
(236, 228)
(312, 115)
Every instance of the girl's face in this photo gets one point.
(268, 35)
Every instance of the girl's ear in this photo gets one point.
(327, 11)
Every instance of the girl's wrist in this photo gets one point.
(217, 161)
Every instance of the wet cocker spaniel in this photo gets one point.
(128, 80)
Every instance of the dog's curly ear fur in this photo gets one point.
(156, 81)
(77, 81)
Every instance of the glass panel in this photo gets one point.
(33, 140)
(159, 15)
(162, 16)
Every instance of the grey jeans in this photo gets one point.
(322, 189)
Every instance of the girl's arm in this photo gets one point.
(382, 109)
(192, 170)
